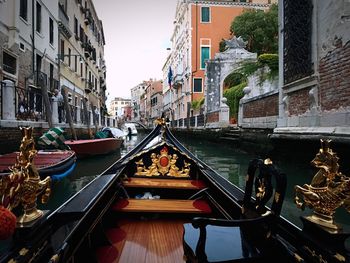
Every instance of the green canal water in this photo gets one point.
(229, 162)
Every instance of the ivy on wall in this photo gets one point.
(233, 95)
(267, 68)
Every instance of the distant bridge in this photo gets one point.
(138, 123)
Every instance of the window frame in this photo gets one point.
(51, 31)
(8, 53)
(38, 17)
(203, 62)
(193, 86)
(201, 15)
(23, 7)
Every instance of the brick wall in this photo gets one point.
(298, 102)
(10, 138)
(262, 107)
(334, 72)
(213, 117)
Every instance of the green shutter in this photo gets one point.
(205, 14)
(204, 56)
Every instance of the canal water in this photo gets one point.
(229, 162)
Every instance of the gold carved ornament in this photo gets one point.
(23, 185)
(328, 190)
(163, 164)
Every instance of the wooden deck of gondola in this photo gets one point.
(164, 183)
(162, 206)
(160, 241)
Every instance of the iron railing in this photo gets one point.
(29, 104)
(200, 120)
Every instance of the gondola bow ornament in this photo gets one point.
(23, 185)
(328, 190)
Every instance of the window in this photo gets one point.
(297, 55)
(22, 47)
(51, 36)
(197, 85)
(205, 14)
(76, 26)
(52, 85)
(205, 55)
(75, 63)
(69, 57)
(9, 63)
(62, 50)
(23, 9)
(38, 17)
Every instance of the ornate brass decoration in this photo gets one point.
(329, 189)
(160, 121)
(163, 164)
(23, 184)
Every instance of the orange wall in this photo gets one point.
(221, 18)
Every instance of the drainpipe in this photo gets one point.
(33, 41)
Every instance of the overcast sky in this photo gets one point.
(137, 33)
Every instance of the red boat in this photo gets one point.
(86, 148)
(55, 163)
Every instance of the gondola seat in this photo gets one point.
(248, 239)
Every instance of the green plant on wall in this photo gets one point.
(233, 95)
(234, 79)
(269, 61)
(197, 104)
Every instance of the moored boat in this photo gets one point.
(92, 147)
(159, 203)
(54, 163)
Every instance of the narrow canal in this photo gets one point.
(229, 162)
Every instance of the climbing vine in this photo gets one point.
(233, 95)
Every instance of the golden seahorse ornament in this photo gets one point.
(328, 190)
(23, 185)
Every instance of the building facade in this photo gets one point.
(199, 26)
(136, 94)
(314, 77)
(81, 55)
(53, 45)
(28, 50)
(117, 108)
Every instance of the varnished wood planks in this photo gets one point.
(162, 206)
(150, 241)
(164, 183)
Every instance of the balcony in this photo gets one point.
(63, 23)
(89, 87)
(178, 80)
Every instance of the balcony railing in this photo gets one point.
(63, 23)
(29, 104)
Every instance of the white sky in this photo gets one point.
(137, 33)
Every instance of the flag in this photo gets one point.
(170, 76)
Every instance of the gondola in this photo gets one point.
(160, 203)
(54, 163)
